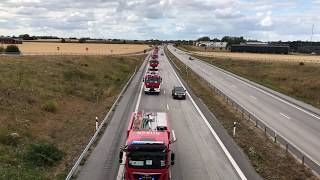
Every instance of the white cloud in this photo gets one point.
(266, 20)
(163, 19)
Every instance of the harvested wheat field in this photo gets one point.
(80, 48)
(262, 57)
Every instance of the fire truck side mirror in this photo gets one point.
(172, 158)
(174, 139)
(120, 156)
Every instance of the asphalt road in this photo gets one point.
(199, 155)
(299, 126)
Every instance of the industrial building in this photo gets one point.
(8, 40)
(260, 48)
(309, 49)
(211, 44)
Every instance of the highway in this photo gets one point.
(199, 151)
(298, 125)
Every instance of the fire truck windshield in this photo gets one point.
(152, 80)
(153, 61)
(147, 159)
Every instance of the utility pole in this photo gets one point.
(312, 32)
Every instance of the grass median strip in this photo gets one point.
(268, 158)
(48, 106)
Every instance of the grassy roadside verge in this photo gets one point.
(298, 80)
(268, 159)
(48, 106)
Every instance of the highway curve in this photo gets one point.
(297, 124)
(198, 153)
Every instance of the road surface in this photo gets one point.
(298, 125)
(198, 152)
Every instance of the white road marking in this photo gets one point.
(121, 167)
(263, 91)
(223, 147)
(286, 116)
(253, 97)
(168, 107)
(164, 91)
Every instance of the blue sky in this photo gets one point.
(266, 20)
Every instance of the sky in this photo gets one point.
(266, 20)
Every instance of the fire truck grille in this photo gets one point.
(146, 177)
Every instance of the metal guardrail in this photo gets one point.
(96, 134)
(277, 137)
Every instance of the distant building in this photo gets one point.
(260, 47)
(8, 40)
(309, 49)
(211, 44)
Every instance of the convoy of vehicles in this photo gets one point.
(147, 154)
(147, 151)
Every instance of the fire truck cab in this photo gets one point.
(147, 154)
(152, 82)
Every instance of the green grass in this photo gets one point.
(53, 101)
(298, 80)
(266, 157)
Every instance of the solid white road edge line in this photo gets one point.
(263, 91)
(121, 168)
(225, 150)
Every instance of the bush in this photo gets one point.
(43, 154)
(301, 63)
(50, 106)
(2, 49)
(12, 49)
(10, 139)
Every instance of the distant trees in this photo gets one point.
(27, 37)
(205, 38)
(233, 40)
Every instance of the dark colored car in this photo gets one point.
(178, 92)
(190, 58)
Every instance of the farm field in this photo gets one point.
(48, 106)
(253, 56)
(80, 48)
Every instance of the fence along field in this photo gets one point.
(79, 48)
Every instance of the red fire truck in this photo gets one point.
(154, 61)
(152, 82)
(147, 150)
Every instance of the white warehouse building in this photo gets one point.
(211, 44)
